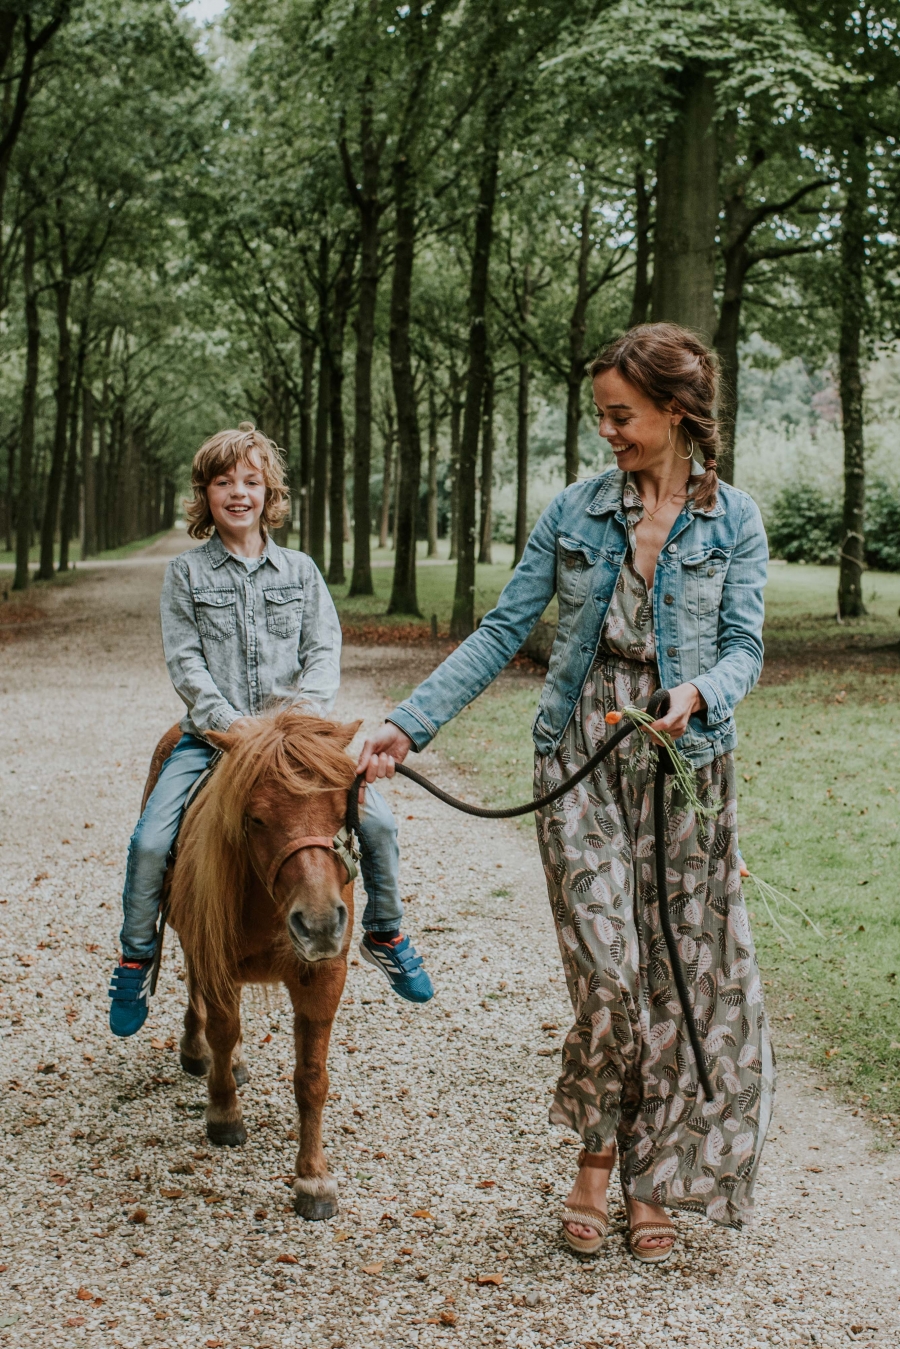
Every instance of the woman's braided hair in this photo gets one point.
(673, 368)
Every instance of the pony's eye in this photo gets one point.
(254, 820)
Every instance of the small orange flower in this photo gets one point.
(613, 718)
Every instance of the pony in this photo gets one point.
(261, 892)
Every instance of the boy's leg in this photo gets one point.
(147, 853)
(383, 944)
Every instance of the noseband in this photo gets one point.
(341, 845)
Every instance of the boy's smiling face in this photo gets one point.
(236, 499)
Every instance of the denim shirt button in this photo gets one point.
(668, 599)
(672, 651)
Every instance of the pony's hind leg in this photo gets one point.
(239, 1064)
(224, 1120)
(195, 1052)
(315, 1190)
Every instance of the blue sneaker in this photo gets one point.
(130, 993)
(399, 962)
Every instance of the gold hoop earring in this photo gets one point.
(690, 453)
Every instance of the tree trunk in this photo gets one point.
(69, 518)
(521, 537)
(29, 403)
(304, 418)
(343, 288)
(687, 204)
(640, 297)
(456, 410)
(463, 620)
(320, 466)
(63, 291)
(403, 591)
(737, 261)
(168, 504)
(853, 304)
(386, 481)
(88, 475)
(577, 330)
(9, 519)
(432, 508)
(487, 467)
(395, 504)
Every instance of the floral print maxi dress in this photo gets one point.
(628, 1070)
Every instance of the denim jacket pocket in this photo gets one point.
(216, 611)
(573, 560)
(284, 610)
(704, 578)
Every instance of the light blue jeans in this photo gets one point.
(158, 826)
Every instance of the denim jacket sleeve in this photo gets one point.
(319, 652)
(740, 622)
(472, 666)
(185, 661)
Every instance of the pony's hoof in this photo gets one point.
(315, 1197)
(241, 1074)
(196, 1067)
(225, 1135)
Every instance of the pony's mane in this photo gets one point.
(300, 756)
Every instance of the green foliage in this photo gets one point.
(804, 526)
(882, 527)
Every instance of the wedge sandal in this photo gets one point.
(583, 1214)
(656, 1255)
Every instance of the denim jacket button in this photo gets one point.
(668, 599)
(672, 651)
(673, 548)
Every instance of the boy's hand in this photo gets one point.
(382, 752)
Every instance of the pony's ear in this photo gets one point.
(344, 732)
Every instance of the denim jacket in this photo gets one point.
(707, 614)
(237, 638)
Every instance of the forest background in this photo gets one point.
(392, 236)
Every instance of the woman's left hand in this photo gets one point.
(684, 701)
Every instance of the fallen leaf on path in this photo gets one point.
(214, 1344)
(375, 1268)
(449, 1318)
(818, 1169)
(342, 1236)
(485, 1185)
(495, 1279)
(286, 1260)
(74, 1320)
(168, 1192)
(265, 1040)
(139, 1216)
(84, 1296)
(421, 1213)
(157, 1044)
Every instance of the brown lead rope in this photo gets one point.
(658, 706)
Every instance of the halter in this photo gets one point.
(341, 845)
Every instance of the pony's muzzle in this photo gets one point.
(318, 936)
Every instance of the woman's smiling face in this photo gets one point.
(637, 430)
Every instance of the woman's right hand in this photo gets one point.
(383, 751)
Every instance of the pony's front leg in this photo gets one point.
(315, 1190)
(224, 1120)
(195, 1055)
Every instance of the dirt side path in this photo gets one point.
(437, 1125)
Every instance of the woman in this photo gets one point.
(659, 570)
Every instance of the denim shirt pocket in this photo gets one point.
(574, 561)
(704, 578)
(284, 610)
(216, 611)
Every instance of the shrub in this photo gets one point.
(804, 526)
(882, 527)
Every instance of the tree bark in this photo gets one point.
(403, 591)
(304, 418)
(456, 411)
(343, 289)
(63, 291)
(432, 508)
(737, 263)
(386, 481)
(522, 411)
(853, 307)
(684, 254)
(577, 330)
(462, 622)
(69, 518)
(487, 467)
(24, 503)
(320, 467)
(89, 477)
(640, 298)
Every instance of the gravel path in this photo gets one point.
(120, 1225)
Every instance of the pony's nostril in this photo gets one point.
(298, 925)
(340, 919)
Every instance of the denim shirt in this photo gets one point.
(238, 638)
(707, 614)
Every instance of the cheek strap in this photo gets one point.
(341, 845)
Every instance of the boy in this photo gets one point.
(245, 622)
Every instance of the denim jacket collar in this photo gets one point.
(218, 553)
(609, 496)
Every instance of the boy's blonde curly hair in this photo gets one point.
(220, 453)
